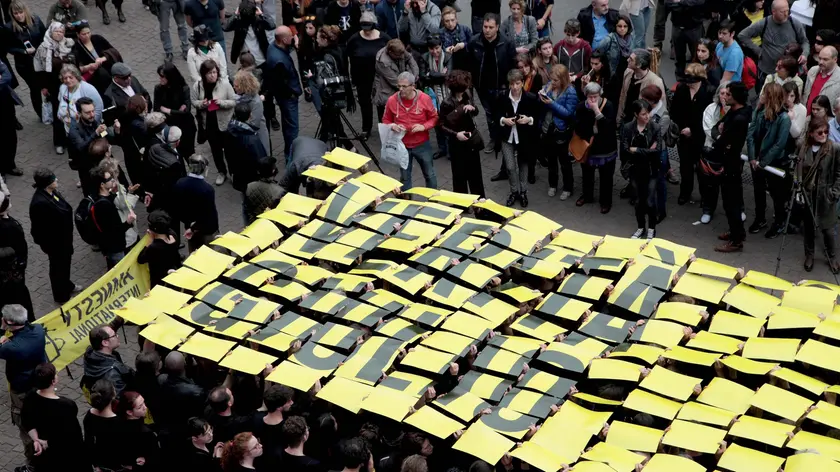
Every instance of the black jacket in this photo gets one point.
(529, 105)
(163, 169)
(101, 78)
(730, 142)
(686, 13)
(99, 365)
(195, 205)
(181, 399)
(244, 143)
(239, 26)
(604, 142)
(587, 29)
(35, 35)
(505, 60)
(688, 113)
(51, 219)
(646, 161)
(109, 224)
(453, 117)
(115, 96)
(80, 135)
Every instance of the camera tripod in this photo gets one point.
(331, 125)
(798, 194)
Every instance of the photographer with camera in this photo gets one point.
(412, 112)
(419, 22)
(329, 82)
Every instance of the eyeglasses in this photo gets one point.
(404, 86)
(821, 132)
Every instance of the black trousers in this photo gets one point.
(645, 185)
(26, 71)
(59, 135)
(9, 138)
(709, 190)
(689, 155)
(685, 38)
(60, 282)
(466, 169)
(364, 90)
(732, 194)
(779, 188)
(562, 157)
(809, 234)
(269, 110)
(605, 187)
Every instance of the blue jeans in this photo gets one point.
(425, 157)
(289, 120)
(112, 259)
(640, 26)
(545, 32)
(167, 7)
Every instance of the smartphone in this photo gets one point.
(27, 45)
(467, 134)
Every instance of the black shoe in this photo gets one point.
(523, 199)
(16, 172)
(438, 155)
(757, 226)
(502, 175)
(169, 57)
(682, 201)
(120, 15)
(773, 232)
(511, 199)
(18, 125)
(105, 18)
(275, 124)
(532, 179)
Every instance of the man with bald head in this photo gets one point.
(284, 82)
(180, 397)
(776, 32)
(823, 78)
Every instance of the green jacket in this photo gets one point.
(771, 136)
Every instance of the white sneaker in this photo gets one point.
(552, 192)
(743, 216)
(564, 195)
(706, 218)
(638, 234)
(220, 179)
(651, 233)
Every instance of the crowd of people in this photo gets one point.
(756, 87)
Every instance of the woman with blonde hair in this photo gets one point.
(247, 87)
(49, 57)
(239, 453)
(27, 34)
(766, 142)
(819, 172)
(560, 100)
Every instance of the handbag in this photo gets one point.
(579, 147)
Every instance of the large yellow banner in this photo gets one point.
(68, 326)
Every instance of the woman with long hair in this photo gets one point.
(294, 12)
(54, 51)
(239, 453)
(766, 143)
(544, 59)
(560, 100)
(599, 73)
(821, 108)
(203, 49)
(690, 101)
(307, 35)
(519, 28)
(172, 98)
(214, 99)
(641, 142)
(787, 69)
(457, 116)
(247, 87)
(705, 55)
(27, 34)
(819, 171)
(533, 80)
(140, 447)
(618, 45)
(361, 50)
(596, 124)
(94, 57)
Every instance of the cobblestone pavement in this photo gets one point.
(138, 42)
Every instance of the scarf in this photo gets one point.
(51, 48)
(625, 44)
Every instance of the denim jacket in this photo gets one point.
(563, 106)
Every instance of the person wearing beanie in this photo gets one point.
(161, 251)
(205, 48)
(13, 258)
(51, 219)
(123, 86)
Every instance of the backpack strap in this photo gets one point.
(93, 217)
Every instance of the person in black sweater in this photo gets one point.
(361, 50)
(107, 219)
(195, 204)
(51, 219)
(295, 434)
(268, 425)
(103, 440)
(225, 423)
(161, 251)
(52, 421)
(14, 254)
(480, 8)
(140, 446)
(198, 456)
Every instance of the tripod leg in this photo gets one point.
(362, 142)
(794, 190)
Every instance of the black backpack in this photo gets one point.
(85, 221)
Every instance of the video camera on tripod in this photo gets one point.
(331, 85)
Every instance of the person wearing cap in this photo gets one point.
(195, 204)
(123, 86)
(161, 251)
(51, 227)
(434, 67)
(205, 48)
(107, 218)
(361, 50)
(164, 166)
(209, 13)
(23, 348)
(263, 194)
(13, 258)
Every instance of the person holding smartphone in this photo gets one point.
(457, 120)
(28, 31)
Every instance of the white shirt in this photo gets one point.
(128, 90)
(514, 135)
